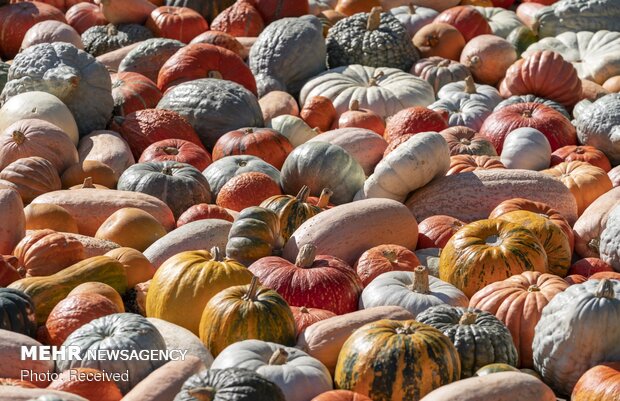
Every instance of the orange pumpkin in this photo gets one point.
(95, 287)
(247, 189)
(305, 317)
(319, 112)
(441, 40)
(266, 143)
(40, 216)
(588, 154)
(45, 252)
(82, 16)
(132, 92)
(465, 163)
(177, 150)
(361, 118)
(221, 39)
(385, 258)
(436, 231)
(180, 23)
(341, 395)
(87, 383)
(240, 19)
(203, 211)
(600, 383)
(608, 275)
(350, 7)
(413, 120)
(137, 267)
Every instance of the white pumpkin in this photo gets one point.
(40, 105)
(598, 125)
(414, 17)
(385, 91)
(467, 89)
(501, 21)
(526, 148)
(610, 240)
(299, 376)
(293, 128)
(466, 112)
(410, 166)
(51, 31)
(415, 291)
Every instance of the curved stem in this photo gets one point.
(326, 194)
(169, 150)
(412, 8)
(375, 78)
(88, 183)
(605, 289)
(303, 194)
(470, 86)
(533, 288)
(252, 290)
(305, 257)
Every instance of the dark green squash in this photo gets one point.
(232, 384)
(480, 338)
(101, 39)
(375, 39)
(148, 57)
(208, 8)
(254, 234)
(179, 185)
(17, 312)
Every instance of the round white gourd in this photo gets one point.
(526, 148)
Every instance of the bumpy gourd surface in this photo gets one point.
(578, 15)
(102, 39)
(598, 125)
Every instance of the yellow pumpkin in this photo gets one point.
(138, 268)
(131, 227)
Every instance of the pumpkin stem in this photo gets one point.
(533, 288)
(432, 40)
(605, 289)
(279, 357)
(527, 113)
(375, 78)
(443, 63)
(111, 30)
(317, 130)
(404, 330)
(217, 254)
(374, 19)
(390, 255)
(355, 105)
(249, 130)
(215, 75)
(326, 193)
(88, 183)
(594, 244)
(470, 86)
(167, 169)
(303, 309)
(412, 8)
(468, 318)
(169, 150)
(306, 255)
(579, 150)
(420, 280)
(18, 137)
(203, 393)
(303, 194)
(252, 290)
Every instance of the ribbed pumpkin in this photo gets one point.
(465, 163)
(486, 251)
(341, 395)
(305, 317)
(318, 281)
(177, 150)
(466, 141)
(600, 383)
(266, 143)
(17, 312)
(585, 153)
(132, 92)
(243, 313)
(87, 383)
(44, 215)
(45, 252)
(204, 211)
(94, 287)
(391, 360)
(32, 176)
(436, 231)
(467, 20)
(585, 181)
(254, 234)
(385, 258)
(518, 301)
(439, 71)
(180, 23)
(479, 337)
(221, 39)
(240, 19)
(191, 279)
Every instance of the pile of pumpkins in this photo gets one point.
(314, 200)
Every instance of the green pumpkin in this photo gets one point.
(17, 312)
(254, 234)
(521, 38)
(480, 338)
(101, 39)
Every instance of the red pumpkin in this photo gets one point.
(588, 266)
(341, 395)
(558, 130)
(392, 145)
(16, 19)
(600, 383)
(132, 92)
(272, 10)
(469, 21)
(204, 211)
(385, 258)
(201, 60)
(180, 23)
(322, 281)
(361, 118)
(145, 127)
(8, 270)
(247, 189)
(575, 279)
(177, 150)
(268, 144)
(503, 3)
(584, 153)
(413, 120)
(221, 39)
(87, 383)
(436, 231)
(85, 15)
(305, 317)
(240, 19)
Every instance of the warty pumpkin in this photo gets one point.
(17, 312)
(131, 227)
(240, 19)
(102, 39)
(149, 56)
(609, 250)
(596, 126)
(600, 383)
(247, 190)
(268, 144)
(384, 258)
(305, 317)
(177, 150)
(45, 252)
(31, 177)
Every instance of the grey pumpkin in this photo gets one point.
(479, 337)
(4, 74)
(578, 15)
(374, 39)
(179, 185)
(148, 57)
(598, 125)
(70, 74)
(102, 39)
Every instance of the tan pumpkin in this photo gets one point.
(31, 176)
(131, 227)
(103, 289)
(45, 252)
(99, 172)
(464, 163)
(278, 103)
(385, 258)
(439, 39)
(137, 267)
(488, 57)
(465, 141)
(54, 217)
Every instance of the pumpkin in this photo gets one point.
(588, 266)
(361, 118)
(559, 368)
(244, 384)
(467, 20)
(501, 21)
(479, 337)
(201, 60)
(521, 38)
(246, 190)
(439, 39)
(295, 129)
(137, 267)
(469, 90)
(414, 17)
(101, 39)
(598, 383)
(413, 120)
(45, 252)
(132, 92)
(373, 360)
(298, 375)
(586, 182)
(8, 270)
(203, 211)
(375, 30)
(335, 231)
(93, 170)
(463, 140)
(131, 227)
(305, 317)
(11, 344)
(82, 16)
(17, 312)
(243, 313)
(13, 218)
(318, 112)
(149, 56)
(384, 258)
(612, 84)
(213, 116)
(22, 16)
(552, 124)
(222, 39)
(596, 126)
(526, 148)
(116, 332)
(177, 150)
(533, 99)
(51, 31)
(107, 147)
(53, 217)
(340, 395)
(439, 71)
(385, 91)
(488, 57)
(72, 313)
(319, 281)
(351, 7)
(254, 234)
(100, 289)
(609, 242)
(499, 249)
(240, 19)
(415, 291)
(300, 55)
(221, 171)
(465, 163)
(588, 154)
(614, 176)
(278, 103)
(166, 180)
(435, 231)
(265, 143)
(518, 301)
(466, 112)
(80, 382)
(31, 177)
(180, 23)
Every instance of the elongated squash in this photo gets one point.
(13, 226)
(47, 291)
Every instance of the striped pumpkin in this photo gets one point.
(391, 360)
(487, 251)
(244, 313)
(254, 235)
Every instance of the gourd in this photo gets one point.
(240, 19)
(526, 148)
(439, 39)
(439, 71)
(413, 17)
(47, 291)
(488, 57)
(51, 31)
(598, 127)
(45, 252)
(300, 54)
(222, 170)
(107, 147)
(463, 140)
(75, 77)
(149, 56)
(17, 312)
(577, 15)
(255, 234)
(533, 99)
(609, 240)
(295, 129)
(31, 177)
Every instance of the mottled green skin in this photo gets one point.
(291, 211)
(254, 234)
(17, 312)
(103, 39)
